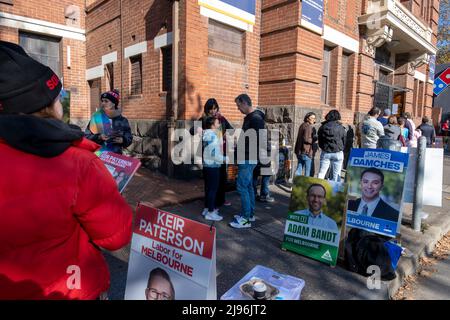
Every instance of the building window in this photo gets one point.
(425, 10)
(225, 39)
(344, 78)
(44, 49)
(136, 75)
(383, 56)
(109, 73)
(325, 75)
(384, 76)
(166, 68)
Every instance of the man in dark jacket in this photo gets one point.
(371, 204)
(332, 136)
(428, 131)
(247, 159)
(304, 144)
(108, 127)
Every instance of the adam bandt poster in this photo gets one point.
(375, 179)
(171, 258)
(316, 214)
(121, 167)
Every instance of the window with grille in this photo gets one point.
(225, 39)
(136, 75)
(325, 75)
(44, 49)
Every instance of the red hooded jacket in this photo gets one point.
(54, 214)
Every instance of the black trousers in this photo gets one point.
(212, 181)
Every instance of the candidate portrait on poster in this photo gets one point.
(315, 217)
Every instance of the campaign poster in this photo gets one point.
(375, 180)
(121, 167)
(315, 217)
(171, 258)
(312, 15)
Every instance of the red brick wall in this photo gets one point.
(110, 29)
(47, 10)
(53, 11)
(208, 75)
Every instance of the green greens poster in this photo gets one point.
(315, 217)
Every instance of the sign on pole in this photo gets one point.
(433, 177)
(315, 217)
(375, 180)
(171, 258)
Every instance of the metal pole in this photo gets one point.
(418, 184)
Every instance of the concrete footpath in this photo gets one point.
(238, 251)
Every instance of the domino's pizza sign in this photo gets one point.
(442, 82)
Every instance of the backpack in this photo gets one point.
(363, 249)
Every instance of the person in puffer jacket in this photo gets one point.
(58, 202)
(332, 137)
(108, 127)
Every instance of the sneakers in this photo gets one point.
(240, 223)
(251, 219)
(214, 216)
(266, 199)
(205, 212)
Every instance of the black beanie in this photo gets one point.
(26, 86)
(112, 96)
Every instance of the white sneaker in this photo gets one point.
(240, 223)
(213, 216)
(205, 212)
(251, 219)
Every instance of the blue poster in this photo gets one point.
(245, 5)
(432, 68)
(312, 15)
(375, 178)
(439, 86)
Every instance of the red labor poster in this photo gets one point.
(171, 258)
(121, 167)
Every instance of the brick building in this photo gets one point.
(291, 56)
(53, 33)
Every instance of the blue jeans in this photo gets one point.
(244, 186)
(335, 159)
(304, 161)
(265, 180)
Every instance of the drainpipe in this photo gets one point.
(174, 110)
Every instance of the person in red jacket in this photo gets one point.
(58, 203)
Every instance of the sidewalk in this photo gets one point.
(238, 251)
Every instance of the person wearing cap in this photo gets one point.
(385, 117)
(58, 202)
(108, 127)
